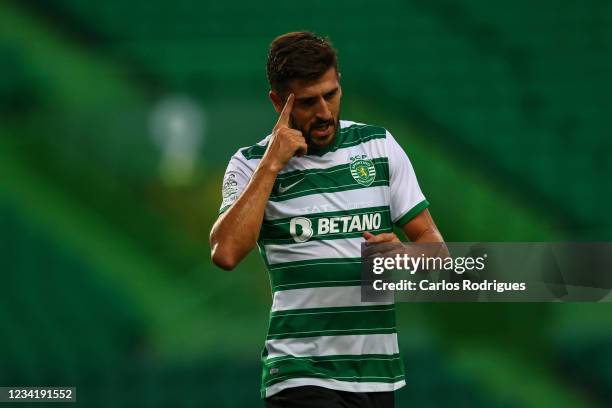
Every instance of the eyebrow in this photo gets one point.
(310, 98)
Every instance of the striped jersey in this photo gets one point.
(320, 332)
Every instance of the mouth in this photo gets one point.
(322, 131)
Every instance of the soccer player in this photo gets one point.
(308, 195)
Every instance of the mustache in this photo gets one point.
(323, 123)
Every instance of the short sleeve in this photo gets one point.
(235, 180)
(406, 198)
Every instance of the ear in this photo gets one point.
(276, 101)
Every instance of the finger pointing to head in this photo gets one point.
(283, 119)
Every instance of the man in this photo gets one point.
(308, 195)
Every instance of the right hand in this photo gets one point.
(285, 142)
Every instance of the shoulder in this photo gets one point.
(245, 159)
(251, 154)
(356, 132)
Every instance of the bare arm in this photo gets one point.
(422, 228)
(235, 232)
(419, 229)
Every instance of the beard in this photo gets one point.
(318, 124)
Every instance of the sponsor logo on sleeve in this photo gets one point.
(229, 190)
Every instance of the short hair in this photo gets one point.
(300, 55)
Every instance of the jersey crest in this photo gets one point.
(362, 170)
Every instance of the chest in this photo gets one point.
(346, 180)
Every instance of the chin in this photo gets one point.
(323, 141)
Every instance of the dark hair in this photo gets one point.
(299, 55)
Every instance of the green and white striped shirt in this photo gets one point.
(320, 333)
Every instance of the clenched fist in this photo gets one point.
(285, 142)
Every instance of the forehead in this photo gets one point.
(305, 89)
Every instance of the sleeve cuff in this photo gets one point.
(412, 213)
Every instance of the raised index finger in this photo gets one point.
(283, 119)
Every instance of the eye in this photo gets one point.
(331, 94)
(308, 102)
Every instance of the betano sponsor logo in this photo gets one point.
(302, 229)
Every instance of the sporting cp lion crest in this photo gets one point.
(362, 170)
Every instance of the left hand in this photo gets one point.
(386, 244)
(380, 238)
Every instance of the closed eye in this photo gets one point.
(307, 101)
(330, 94)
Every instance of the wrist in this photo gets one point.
(270, 165)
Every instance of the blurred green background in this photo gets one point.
(117, 119)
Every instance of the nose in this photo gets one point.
(323, 111)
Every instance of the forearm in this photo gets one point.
(422, 229)
(235, 232)
(430, 234)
